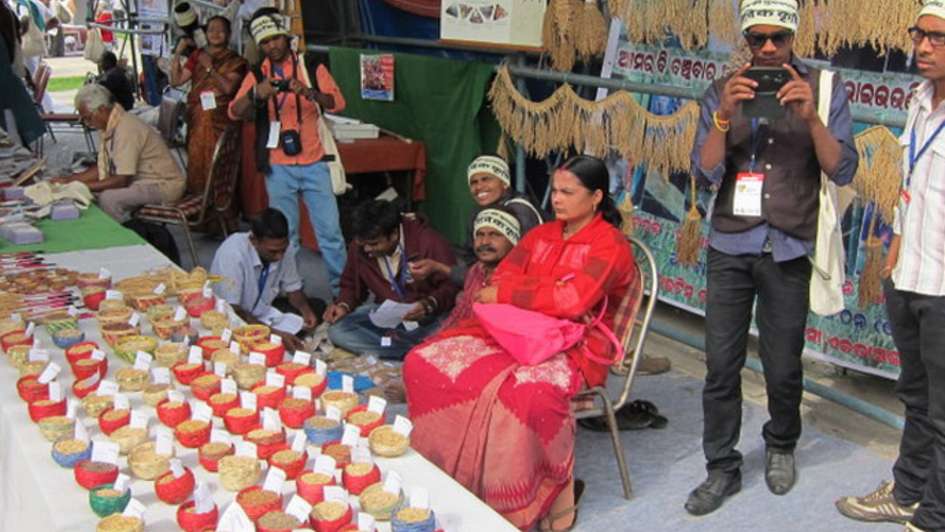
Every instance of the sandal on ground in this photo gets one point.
(548, 520)
(637, 415)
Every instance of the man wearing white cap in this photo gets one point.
(289, 149)
(764, 223)
(490, 184)
(915, 300)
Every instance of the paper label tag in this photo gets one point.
(219, 368)
(207, 291)
(160, 289)
(105, 451)
(320, 367)
(392, 483)
(275, 479)
(74, 312)
(303, 393)
(176, 468)
(298, 442)
(164, 443)
(748, 194)
(366, 522)
(161, 376)
(38, 355)
(228, 386)
(301, 357)
(103, 273)
(361, 455)
(135, 319)
(226, 335)
(220, 436)
(272, 142)
(55, 391)
(420, 498)
(257, 358)
(195, 355)
(98, 354)
(176, 396)
(120, 402)
(351, 436)
(143, 360)
(234, 519)
(385, 341)
(179, 314)
(275, 379)
(202, 411)
(335, 493)
(299, 508)
(134, 509)
(347, 383)
(332, 412)
(235, 348)
(276, 339)
(203, 501)
(208, 100)
(49, 372)
(220, 306)
(139, 420)
(121, 483)
(248, 400)
(246, 448)
(324, 464)
(403, 426)
(81, 433)
(30, 329)
(107, 387)
(72, 405)
(270, 420)
(377, 404)
(113, 295)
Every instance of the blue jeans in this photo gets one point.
(313, 182)
(357, 334)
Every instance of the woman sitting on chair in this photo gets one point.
(504, 430)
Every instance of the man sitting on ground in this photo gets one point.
(495, 232)
(135, 167)
(258, 266)
(113, 77)
(385, 243)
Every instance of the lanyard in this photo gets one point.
(755, 144)
(277, 102)
(913, 156)
(261, 284)
(396, 281)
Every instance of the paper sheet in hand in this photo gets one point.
(285, 322)
(390, 314)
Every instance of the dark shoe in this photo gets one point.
(877, 506)
(780, 473)
(710, 495)
(637, 415)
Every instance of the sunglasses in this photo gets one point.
(757, 40)
(936, 38)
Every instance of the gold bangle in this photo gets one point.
(722, 125)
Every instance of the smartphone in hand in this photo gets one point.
(765, 103)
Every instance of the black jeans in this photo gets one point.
(918, 329)
(782, 292)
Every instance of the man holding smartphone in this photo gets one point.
(914, 285)
(767, 172)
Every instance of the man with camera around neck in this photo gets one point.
(764, 224)
(289, 138)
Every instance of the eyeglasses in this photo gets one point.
(757, 40)
(917, 34)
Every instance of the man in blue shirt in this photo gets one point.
(764, 223)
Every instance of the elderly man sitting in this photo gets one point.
(495, 232)
(135, 166)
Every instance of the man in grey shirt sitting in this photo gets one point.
(256, 268)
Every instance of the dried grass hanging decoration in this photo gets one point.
(722, 21)
(870, 287)
(591, 28)
(626, 209)
(805, 43)
(878, 177)
(689, 242)
(502, 148)
(556, 33)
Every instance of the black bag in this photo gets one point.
(158, 236)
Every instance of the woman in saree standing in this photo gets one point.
(515, 445)
(215, 73)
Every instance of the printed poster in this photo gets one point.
(377, 77)
(506, 22)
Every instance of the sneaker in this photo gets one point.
(709, 496)
(878, 506)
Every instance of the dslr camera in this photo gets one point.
(281, 85)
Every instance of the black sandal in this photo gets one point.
(638, 415)
(578, 492)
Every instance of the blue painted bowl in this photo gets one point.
(428, 525)
(69, 460)
(66, 338)
(319, 435)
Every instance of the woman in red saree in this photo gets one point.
(507, 431)
(215, 73)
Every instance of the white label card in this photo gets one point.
(336, 493)
(98, 354)
(38, 355)
(299, 441)
(219, 368)
(179, 314)
(248, 400)
(103, 273)
(176, 396)
(270, 420)
(161, 376)
(226, 335)
(143, 360)
(332, 412)
(301, 357)
(393, 482)
(320, 367)
(299, 508)
(351, 436)
(207, 290)
(748, 194)
(49, 372)
(30, 329)
(134, 509)
(276, 339)
(275, 379)
(246, 448)
(275, 479)
(303, 393)
(220, 436)
(257, 358)
(160, 289)
(220, 306)
(139, 420)
(228, 386)
(72, 405)
(113, 295)
(120, 402)
(164, 444)
(74, 312)
(121, 483)
(361, 455)
(203, 501)
(347, 383)
(385, 341)
(366, 522)
(195, 355)
(81, 433)
(208, 100)
(202, 411)
(377, 404)
(107, 387)
(403, 426)
(324, 464)
(105, 451)
(420, 498)
(135, 319)
(55, 391)
(176, 468)
(272, 142)
(235, 348)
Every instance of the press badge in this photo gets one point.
(748, 190)
(208, 100)
(274, 128)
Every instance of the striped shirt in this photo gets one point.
(921, 221)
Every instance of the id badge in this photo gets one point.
(748, 190)
(274, 128)
(208, 100)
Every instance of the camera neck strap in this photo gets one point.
(277, 102)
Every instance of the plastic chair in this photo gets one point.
(41, 82)
(194, 210)
(639, 323)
